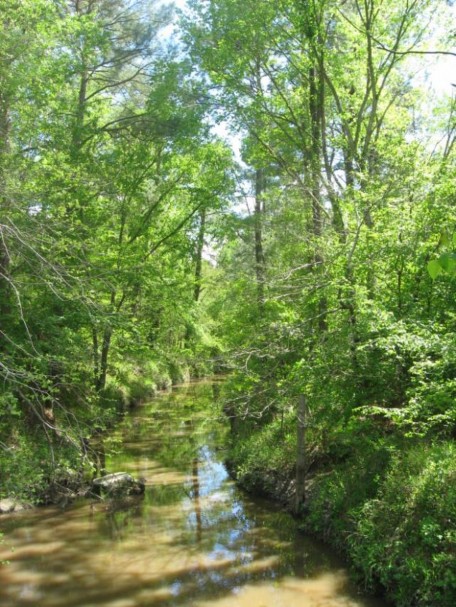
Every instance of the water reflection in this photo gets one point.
(192, 540)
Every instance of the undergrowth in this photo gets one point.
(387, 502)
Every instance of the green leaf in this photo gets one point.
(445, 239)
(434, 268)
(448, 262)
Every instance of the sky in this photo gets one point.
(442, 74)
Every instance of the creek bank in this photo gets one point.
(390, 511)
(60, 486)
(275, 485)
(278, 486)
(114, 487)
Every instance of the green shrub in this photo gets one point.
(29, 465)
(335, 495)
(406, 537)
(268, 449)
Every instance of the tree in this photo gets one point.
(323, 95)
(101, 188)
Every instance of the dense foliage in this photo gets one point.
(109, 181)
(338, 299)
(331, 297)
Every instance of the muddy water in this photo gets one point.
(193, 540)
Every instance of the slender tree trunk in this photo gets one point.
(316, 83)
(80, 113)
(78, 125)
(260, 263)
(315, 150)
(316, 96)
(5, 286)
(75, 208)
(301, 460)
(101, 367)
(353, 323)
(199, 255)
(107, 334)
(95, 356)
(258, 213)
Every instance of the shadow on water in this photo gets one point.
(193, 540)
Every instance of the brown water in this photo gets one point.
(193, 540)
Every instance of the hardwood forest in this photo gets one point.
(265, 190)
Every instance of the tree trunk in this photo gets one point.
(199, 255)
(101, 383)
(5, 287)
(260, 264)
(95, 356)
(353, 324)
(80, 113)
(315, 150)
(301, 460)
(315, 111)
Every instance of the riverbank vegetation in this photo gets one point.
(337, 304)
(316, 262)
(109, 183)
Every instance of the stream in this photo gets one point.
(194, 539)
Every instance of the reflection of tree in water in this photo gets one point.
(162, 429)
(196, 499)
(165, 494)
(196, 538)
(174, 430)
(117, 518)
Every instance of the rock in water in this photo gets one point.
(9, 505)
(119, 484)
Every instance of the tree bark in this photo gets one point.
(5, 287)
(107, 334)
(315, 150)
(316, 83)
(95, 356)
(260, 264)
(301, 460)
(199, 255)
